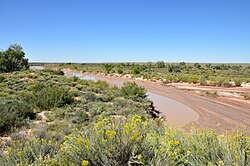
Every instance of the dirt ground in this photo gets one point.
(221, 113)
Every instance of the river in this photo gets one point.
(175, 112)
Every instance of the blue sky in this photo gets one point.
(128, 30)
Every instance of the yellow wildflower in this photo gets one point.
(134, 136)
(104, 140)
(110, 134)
(85, 162)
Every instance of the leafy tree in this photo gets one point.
(13, 59)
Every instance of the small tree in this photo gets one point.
(13, 59)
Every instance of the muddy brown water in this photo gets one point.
(176, 113)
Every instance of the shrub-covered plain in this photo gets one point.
(54, 120)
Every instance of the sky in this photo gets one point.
(128, 30)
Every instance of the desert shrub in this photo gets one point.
(119, 70)
(57, 113)
(108, 68)
(160, 64)
(119, 141)
(171, 78)
(193, 79)
(124, 141)
(197, 65)
(13, 114)
(130, 90)
(183, 78)
(2, 78)
(57, 126)
(79, 87)
(133, 141)
(216, 81)
(90, 96)
(226, 83)
(246, 96)
(203, 81)
(54, 72)
(100, 87)
(147, 76)
(136, 69)
(58, 72)
(82, 117)
(238, 82)
(75, 78)
(96, 108)
(34, 151)
(47, 97)
(212, 93)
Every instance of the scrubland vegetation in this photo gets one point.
(225, 75)
(50, 119)
(92, 123)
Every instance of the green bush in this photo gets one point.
(130, 90)
(13, 114)
(2, 78)
(47, 97)
(238, 82)
(119, 70)
(226, 83)
(203, 81)
(108, 68)
(136, 69)
(55, 72)
(31, 152)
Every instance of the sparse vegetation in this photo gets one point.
(224, 75)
